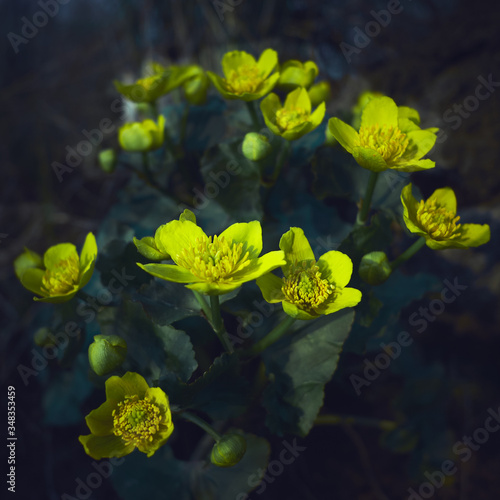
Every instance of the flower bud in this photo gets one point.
(229, 450)
(43, 337)
(142, 136)
(107, 160)
(374, 268)
(107, 353)
(256, 146)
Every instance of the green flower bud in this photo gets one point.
(319, 93)
(107, 160)
(229, 450)
(107, 353)
(374, 268)
(256, 146)
(43, 337)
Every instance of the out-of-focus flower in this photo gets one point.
(142, 136)
(244, 77)
(297, 74)
(59, 275)
(319, 93)
(294, 119)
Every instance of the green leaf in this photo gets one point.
(299, 366)
(233, 181)
(163, 476)
(165, 353)
(65, 394)
(221, 392)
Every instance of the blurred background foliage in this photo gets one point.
(428, 57)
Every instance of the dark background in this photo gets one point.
(429, 56)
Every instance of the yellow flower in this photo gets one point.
(436, 220)
(389, 137)
(60, 273)
(212, 265)
(147, 89)
(134, 415)
(244, 77)
(294, 119)
(142, 136)
(297, 74)
(309, 288)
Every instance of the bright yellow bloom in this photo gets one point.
(294, 119)
(436, 220)
(297, 74)
(309, 288)
(134, 415)
(142, 136)
(389, 137)
(212, 265)
(60, 273)
(244, 77)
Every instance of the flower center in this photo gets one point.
(213, 259)
(437, 221)
(246, 78)
(291, 117)
(63, 277)
(389, 142)
(136, 421)
(304, 286)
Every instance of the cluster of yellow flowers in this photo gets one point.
(388, 137)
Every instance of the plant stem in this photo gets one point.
(273, 336)
(253, 114)
(147, 169)
(203, 304)
(367, 200)
(202, 424)
(218, 324)
(85, 296)
(385, 425)
(409, 252)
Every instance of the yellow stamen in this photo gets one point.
(291, 117)
(213, 259)
(437, 221)
(304, 286)
(136, 420)
(62, 277)
(246, 79)
(389, 142)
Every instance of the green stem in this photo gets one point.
(253, 115)
(284, 153)
(218, 325)
(385, 425)
(273, 336)
(85, 296)
(203, 304)
(409, 252)
(367, 200)
(147, 169)
(202, 424)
